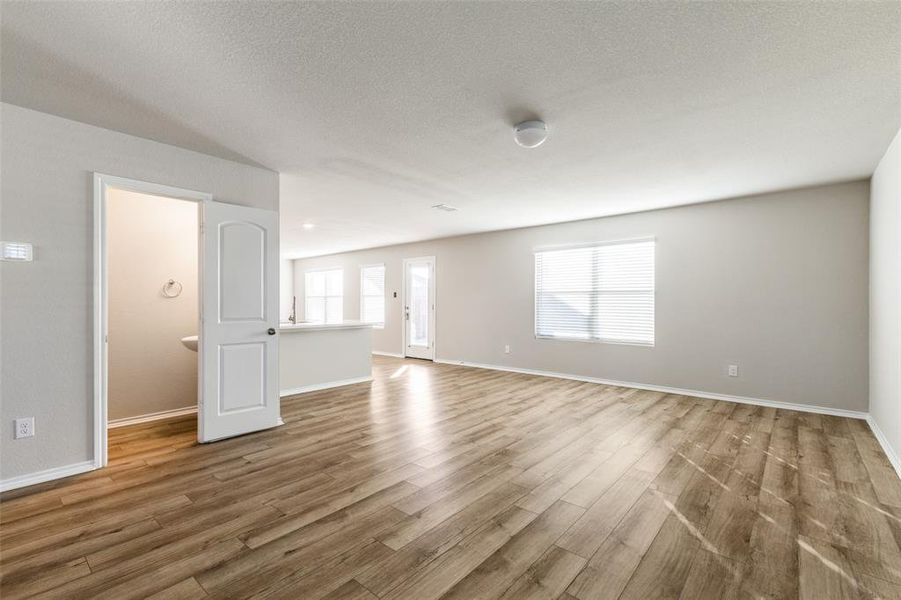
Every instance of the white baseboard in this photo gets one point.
(47, 475)
(823, 410)
(391, 354)
(163, 414)
(886, 446)
(323, 386)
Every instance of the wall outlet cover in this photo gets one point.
(733, 370)
(24, 428)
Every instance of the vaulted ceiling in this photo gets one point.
(373, 112)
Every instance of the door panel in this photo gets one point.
(242, 372)
(242, 246)
(419, 307)
(238, 354)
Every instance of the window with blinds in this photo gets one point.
(324, 296)
(602, 293)
(372, 294)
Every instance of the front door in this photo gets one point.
(239, 341)
(419, 307)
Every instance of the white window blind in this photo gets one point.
(324, 296)
(596, 293)
(372, 295)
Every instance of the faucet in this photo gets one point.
(293, 317)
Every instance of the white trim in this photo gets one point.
(103, 183)
(391, 354)
(810, 408)
(433, 315)
(14, 483)
(99, 311)
(163, 414)
(886, 446)
(320, 269)
(323, 386)
(552, 247)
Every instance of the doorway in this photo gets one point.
(419, 307)
(147, 271)
(235, 313)
(153, 308)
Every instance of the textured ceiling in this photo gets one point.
(374, 112)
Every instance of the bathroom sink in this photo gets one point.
(190, 342)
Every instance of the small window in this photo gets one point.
(372, 295)
(602, 293)
(324, 296)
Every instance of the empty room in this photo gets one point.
(514, 300)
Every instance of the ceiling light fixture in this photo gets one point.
(444, 207)
(530, 134)
(308, 226)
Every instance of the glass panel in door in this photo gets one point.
(419, 305)
(419, 308)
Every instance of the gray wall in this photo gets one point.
(885, 296)
(775, 283)
(46, 306)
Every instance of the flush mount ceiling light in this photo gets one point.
(444, 207)
(308, 226)
(530, 134)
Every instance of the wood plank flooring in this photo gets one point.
(437, 481)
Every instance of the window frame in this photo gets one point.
(375, 325)
(539, 249)
(325, 297)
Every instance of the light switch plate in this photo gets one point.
(16, 251)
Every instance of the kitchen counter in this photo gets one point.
(306, 326)
(318, 356)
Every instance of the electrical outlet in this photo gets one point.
(507, 349)
(24, 428)
(733, 370)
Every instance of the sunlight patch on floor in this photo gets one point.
(399, 372)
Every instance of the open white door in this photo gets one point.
(239, 341)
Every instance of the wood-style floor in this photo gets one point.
(442, 481)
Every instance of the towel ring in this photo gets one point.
(172, 289)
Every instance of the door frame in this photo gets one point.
(102, 184)
(433, 317)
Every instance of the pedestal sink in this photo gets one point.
(190, 342)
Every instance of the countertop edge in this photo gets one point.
(300, 327)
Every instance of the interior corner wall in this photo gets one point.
(150, 240)
(46, 306)
(885, 300)
(775, 283)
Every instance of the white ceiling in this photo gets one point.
(373, 112)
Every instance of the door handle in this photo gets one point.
(271, 331)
